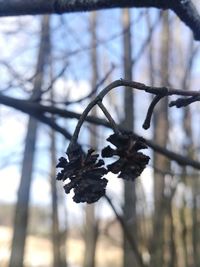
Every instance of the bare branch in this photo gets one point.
(184, 9)
(94, 90)
(127, 234)
(37, 110)
(183, 102)
(147, 121)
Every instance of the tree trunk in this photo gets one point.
(196, 222)
(90, 234)
(91, 226)
(129, 209)
(55, 220)
(161, 136)
(189, 254)
(21, 212)
(58, 238)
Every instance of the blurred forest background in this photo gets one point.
(62, 62)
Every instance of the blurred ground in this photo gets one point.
(38, 252)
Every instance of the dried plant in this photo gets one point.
(85, 172)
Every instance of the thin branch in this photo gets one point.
(52, 124)
(147, 121)
(42, 92)
(129, 237)
(183, 102)
(192, 53)
(109, 117)
(94, 90)
(145, 44)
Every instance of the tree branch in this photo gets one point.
(130, 239)
(184, 9)
(188, 13)
(38, 111)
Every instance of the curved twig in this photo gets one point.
(147, 121)
(158, 91)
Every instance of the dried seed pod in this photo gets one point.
(85, 173)
(131, 163)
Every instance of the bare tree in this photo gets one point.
(58, 237)
(161, 127)
(129, 188)
(21, 212)
(91, 223)
(49, 111)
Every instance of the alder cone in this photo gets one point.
(131, 162)
(85, 173)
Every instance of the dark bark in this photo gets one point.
(185, 10)
(21, 212)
